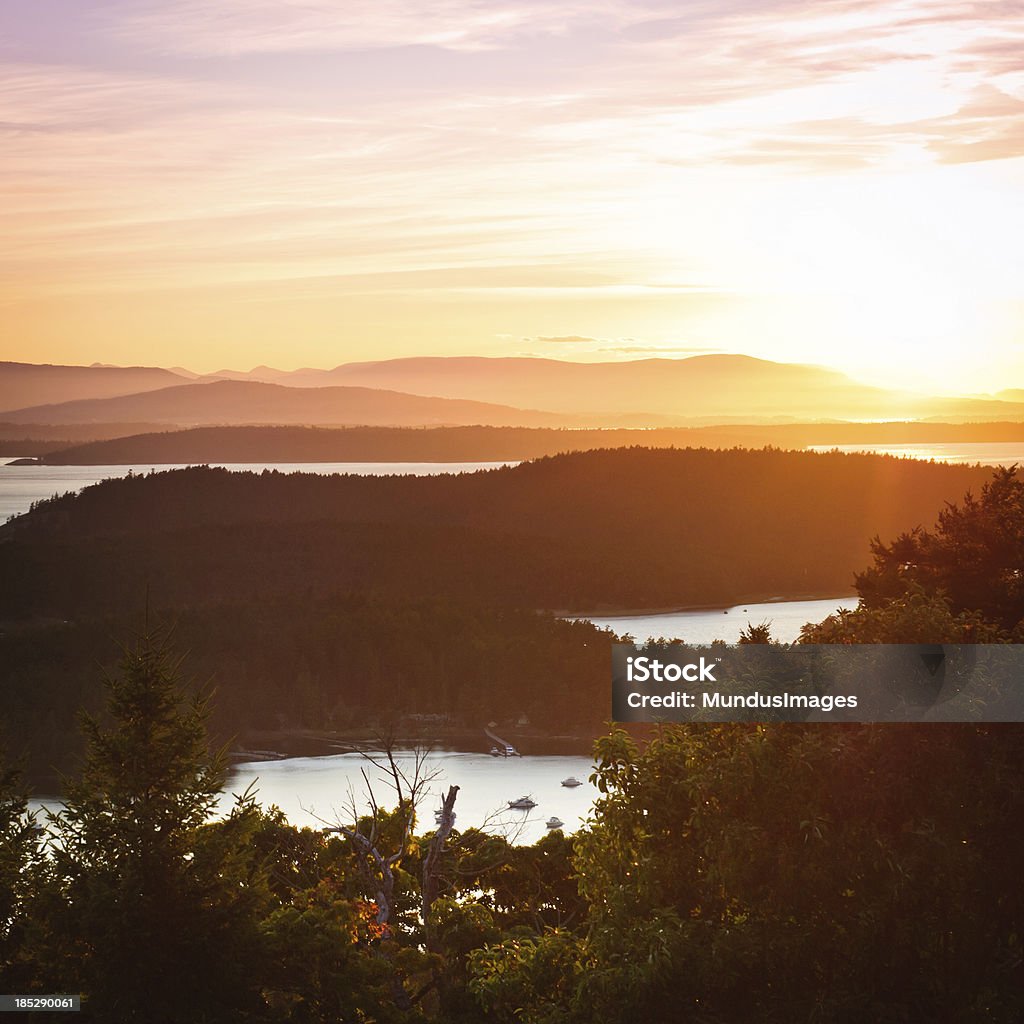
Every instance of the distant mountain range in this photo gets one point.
(651, 391)
(25, 384)
(1011, 395)
(475, 390)
(230, 402)
(713, 385)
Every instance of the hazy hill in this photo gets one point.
(676, 387)
(28, 384)
(233, 402)
(700, 387)
(19, 439)
(270, 375)
(475, 443)
(710, 389)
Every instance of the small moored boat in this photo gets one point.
(554, 822)
(572, 782)
(524, 803)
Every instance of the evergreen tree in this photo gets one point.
(159, 905)
(18, 856)
(974, 555)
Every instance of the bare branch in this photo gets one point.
(432, 861)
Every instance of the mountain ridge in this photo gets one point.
(715, 385)
(715, 388)
(28, 384)
(226, 402)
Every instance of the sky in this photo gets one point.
(311, 182)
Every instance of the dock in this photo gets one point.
(504, 748)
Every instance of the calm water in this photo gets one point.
(316, 790)
(312, 790)
(988, 453)
(786, 618)
(22, 485)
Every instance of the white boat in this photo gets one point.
(572, 782)
(554, 822)
(524, 803)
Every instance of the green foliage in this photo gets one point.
(138, 874)
(458, 928)
(321, 968)
(19, 858)
(974, 556)
(529, 979)
(960, 583)
(781, 873)
(912, 617)
(759, 634)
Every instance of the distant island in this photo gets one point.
(470, 443)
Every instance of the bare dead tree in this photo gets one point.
(438, 873)
(380, 846)
(432, 861)
(366, 833)
(378, 853)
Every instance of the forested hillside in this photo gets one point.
(337, 602)
(604, 529)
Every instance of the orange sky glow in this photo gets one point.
(262, 181)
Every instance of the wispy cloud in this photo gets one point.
(277, 26)
(664, 350)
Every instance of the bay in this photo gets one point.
(318, 791)
(961, 453)
(705, 625)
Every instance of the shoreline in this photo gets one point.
(269, 746)
(683, 609)
(275, 745)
